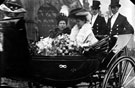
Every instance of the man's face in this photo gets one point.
(62, 25)
(114, 10)
(94, 11)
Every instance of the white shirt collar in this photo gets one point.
(114, 17)
(94, 17)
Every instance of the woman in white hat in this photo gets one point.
(82, 32)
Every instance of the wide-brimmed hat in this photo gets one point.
(78, 12)
(95, 4)
(12, 8)
(115, 3)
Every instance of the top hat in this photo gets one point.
(1, 1)
(95, 4)
(77, 12)
(115, 3)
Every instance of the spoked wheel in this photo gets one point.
(121, 74)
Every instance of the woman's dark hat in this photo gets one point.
(60, 17)
(95, 4)
(115, 3)
(74, 13)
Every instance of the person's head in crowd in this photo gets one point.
(62, 21)
(114, 6)
(95, 8)
(80, 15)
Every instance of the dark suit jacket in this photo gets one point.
(100, 26)
(121, 26)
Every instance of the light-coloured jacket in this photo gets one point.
(83, 36)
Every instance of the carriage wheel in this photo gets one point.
(121, 74)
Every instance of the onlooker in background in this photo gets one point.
(15, 42)
(62, 22)
(98, 22)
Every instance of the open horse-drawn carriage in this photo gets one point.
(113, 68)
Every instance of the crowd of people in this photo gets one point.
(90, 24)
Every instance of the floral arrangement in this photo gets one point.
(59, 46)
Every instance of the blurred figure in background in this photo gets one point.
(12, 10)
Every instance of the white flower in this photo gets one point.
(62, 45)
(44, 43)
(40, 45)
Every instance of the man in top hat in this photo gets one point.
(118, 23)
(15, 37)
(98, 22)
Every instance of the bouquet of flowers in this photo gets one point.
(44, 46)
(60, 46)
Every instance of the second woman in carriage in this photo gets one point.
(62, 28)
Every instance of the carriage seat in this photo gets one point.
(121, 42)
(101, 46)
(102, 43)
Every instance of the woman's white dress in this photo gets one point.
(83, 36)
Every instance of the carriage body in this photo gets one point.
(65, 71)
(16, 62)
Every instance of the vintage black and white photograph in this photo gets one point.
(67, 44)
